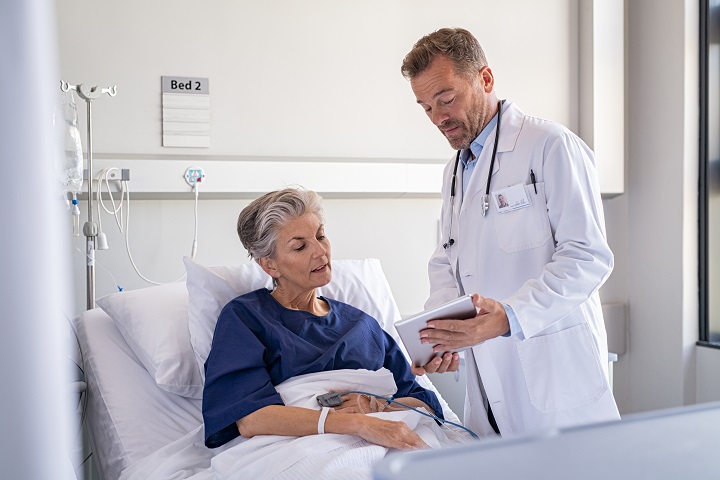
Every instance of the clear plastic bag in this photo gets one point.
(70, 163)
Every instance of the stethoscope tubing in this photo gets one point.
(451, 241)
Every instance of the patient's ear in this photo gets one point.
(268, 265)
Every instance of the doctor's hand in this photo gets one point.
(448, 362)
(449, 335)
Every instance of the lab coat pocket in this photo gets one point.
(562, 370)
(524, 228)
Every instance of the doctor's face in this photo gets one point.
(459, 105)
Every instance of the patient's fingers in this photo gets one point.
(354, 403)
(390, 434)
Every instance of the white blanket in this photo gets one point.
(278, 457)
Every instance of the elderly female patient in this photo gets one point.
(265, 337)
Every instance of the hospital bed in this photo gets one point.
(142, 351)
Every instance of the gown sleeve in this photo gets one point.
(237, 382)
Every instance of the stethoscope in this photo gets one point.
(485, 202)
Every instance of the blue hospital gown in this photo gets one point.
(258, 344)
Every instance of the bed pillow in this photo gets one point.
(363, 282)
(154, 323)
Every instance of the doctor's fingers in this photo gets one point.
(447, 325)
(476, 330)
(448, 362)
(418, 371)
(473, 331)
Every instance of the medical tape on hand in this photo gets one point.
(321, 420)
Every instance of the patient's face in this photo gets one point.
(302, 257)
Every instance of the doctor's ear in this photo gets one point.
(487, 79)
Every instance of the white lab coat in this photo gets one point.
(547, 262)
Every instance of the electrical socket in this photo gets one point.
(194, 175)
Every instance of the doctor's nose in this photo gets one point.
(438, 117)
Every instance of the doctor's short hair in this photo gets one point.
(258, 223)
(457, 44)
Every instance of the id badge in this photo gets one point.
(511, 198)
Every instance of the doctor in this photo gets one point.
(538, 354)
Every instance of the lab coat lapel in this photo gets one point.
(510, 126)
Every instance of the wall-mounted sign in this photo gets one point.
(185, 112)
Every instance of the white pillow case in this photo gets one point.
(360, 283)
(154, 323)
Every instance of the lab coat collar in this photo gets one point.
(510, 126)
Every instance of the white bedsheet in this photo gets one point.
(276, 457)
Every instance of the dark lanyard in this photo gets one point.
(485, 198)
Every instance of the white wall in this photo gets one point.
(299, 79)
(315, 78)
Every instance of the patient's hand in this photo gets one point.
(390, 434)
(449, 362)
(356, 403)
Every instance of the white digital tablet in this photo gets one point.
(409, 327)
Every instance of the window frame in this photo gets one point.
(703, 214)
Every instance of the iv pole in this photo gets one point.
(90, 228)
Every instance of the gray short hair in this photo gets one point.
(259, 222)
(457, 44)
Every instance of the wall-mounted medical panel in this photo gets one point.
(602, 89)
(249, 177)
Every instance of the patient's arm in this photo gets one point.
(299, 422)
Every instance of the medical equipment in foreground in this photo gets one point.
(663, 445)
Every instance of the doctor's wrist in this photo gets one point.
(513, 323)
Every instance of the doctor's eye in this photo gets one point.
(448, 102)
